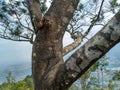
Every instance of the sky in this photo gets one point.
(12, 52)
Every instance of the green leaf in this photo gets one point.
(23, 10)
(81, 6)
(1, 16)
(4, 8)
(17, 3)
(114, 3)
(16, 32)
(94, 1)
(43, 7)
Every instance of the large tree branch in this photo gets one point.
(35, 12)
(95, 19)
(60, 17)
(94, 49)
(61, 11)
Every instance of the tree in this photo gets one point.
(111, 85)
(46, 32)
(89, 79)
(116, 75)
(25, 84)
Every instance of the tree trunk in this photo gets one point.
(46, 59)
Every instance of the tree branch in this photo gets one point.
(71, 46)
(5, 34)
(63, 15)
(93, 50)
(95, 19)
(9, 38)
(28, 28)
(35, 12)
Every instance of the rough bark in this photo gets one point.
(89, 53)
(47, 47)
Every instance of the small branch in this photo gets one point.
(31, 39)
(5, 35)
(100, 24)
(8, 38)
(35, 12)
(94, 19)
(100, 9)
(72, 46)
(21, 22)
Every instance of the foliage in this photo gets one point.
(12, 15)
(43, 5)
(116, 75)
(73, 87)
(111, 85)
(88, 79)
(26, 84)
(114, 4)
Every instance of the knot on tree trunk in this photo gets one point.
(44, 23)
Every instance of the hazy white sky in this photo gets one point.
(14, 52)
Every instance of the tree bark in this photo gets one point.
(92, 51)
(47, 47)
(46, 59)
(48, 69)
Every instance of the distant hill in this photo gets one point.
(19, 71)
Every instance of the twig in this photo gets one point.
(94, 22)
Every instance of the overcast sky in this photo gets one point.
(14, 52)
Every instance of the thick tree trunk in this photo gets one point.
(46, 59)
(47, 48)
